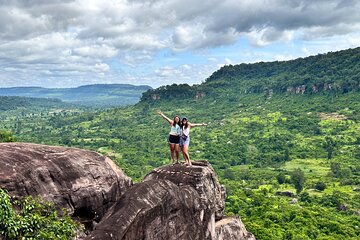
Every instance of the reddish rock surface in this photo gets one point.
(201, 176)
(232, 228)
(173, 202)
(83, 182)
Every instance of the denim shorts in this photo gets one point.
(184, 141)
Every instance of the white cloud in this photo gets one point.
(136, 57)
(167, 71)
(228, 61)
(266, 36)
(191, 37)
(186, 66)
(99, 51)
(74, 38)
(189, 74)
(280, 57)
(101, 67)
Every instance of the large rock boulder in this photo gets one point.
(172, 202)
(232, 228)
(83, 182)
(201, 176)
(155, 209)
(285, 193)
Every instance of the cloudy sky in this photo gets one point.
(67, 43)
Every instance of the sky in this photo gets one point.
(68, 43)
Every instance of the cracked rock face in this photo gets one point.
(155, 209)
(173, 202)
(83, 182)
(201, 176)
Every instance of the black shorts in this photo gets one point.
(174, 139)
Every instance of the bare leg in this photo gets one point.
(186, 155)
(182, 151)
(177, 152)
(172, 152)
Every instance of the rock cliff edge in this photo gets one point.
(172, 202)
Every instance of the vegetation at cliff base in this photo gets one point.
(6, 136)
(32, 219)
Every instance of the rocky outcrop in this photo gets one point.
(232, 229)
(297, 90)
(285, 193)
(155, 96)
(200, 95)
(201, 176)
(83, 182)
(156, 209)
(172, 202)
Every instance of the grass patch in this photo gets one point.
(311, 167)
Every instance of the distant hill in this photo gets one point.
(14, 102)
(333, 71)
(88, 95)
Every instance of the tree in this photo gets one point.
(6, 136)
(281, 178)
(320, 186)
(336, 168)
(32, 219)
(298, 179)
(329, 145)
(357, 149)
(229, 174)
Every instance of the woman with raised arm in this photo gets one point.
(174, 136)
(185, 138)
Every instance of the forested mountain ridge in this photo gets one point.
(335, 71)
(339, 71)
(11, 102)
(88, 95)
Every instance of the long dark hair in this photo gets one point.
(186, 125)
(174, 123)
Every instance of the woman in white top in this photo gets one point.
(174, 136)
(185, 138)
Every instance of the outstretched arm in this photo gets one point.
(165, 117)
(197, 124)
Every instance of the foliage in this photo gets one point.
(173, 91)
(320, 186)
(281, 178)
(336, 168)
(11, 103)
(329, 145)
(298, 179)
(274, 218)
(334, 72)
(6, 136)
(32, 219)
